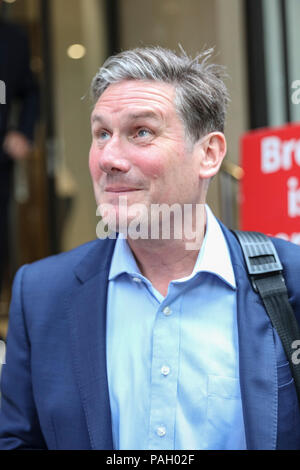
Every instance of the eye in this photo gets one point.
(143, 133)
(103, 135)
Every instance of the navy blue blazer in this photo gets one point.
(54, 383)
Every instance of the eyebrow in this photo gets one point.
(143, 115)
(130, 117)
(97, 118)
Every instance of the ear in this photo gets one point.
(212, 149)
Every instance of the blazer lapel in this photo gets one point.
(257, 358)
(86, 305)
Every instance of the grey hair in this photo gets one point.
(201, 96)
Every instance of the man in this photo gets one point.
(15, 142)
(143, 342)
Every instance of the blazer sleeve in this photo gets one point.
(19, 424)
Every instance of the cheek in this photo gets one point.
(95, 170)
(152, 165)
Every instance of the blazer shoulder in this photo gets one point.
(57, 269)
(43, 285)
(288, 252)
(289, 255)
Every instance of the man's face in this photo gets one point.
(139, 149)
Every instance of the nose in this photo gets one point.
(113, 157)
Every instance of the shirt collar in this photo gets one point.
(213, 256)
(123, 260)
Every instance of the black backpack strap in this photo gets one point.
(265, 271)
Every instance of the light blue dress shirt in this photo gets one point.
(173, 364)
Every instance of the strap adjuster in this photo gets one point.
(278, 281)
(260, 255)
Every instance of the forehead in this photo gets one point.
(129, 95)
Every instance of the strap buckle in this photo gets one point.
(260, 256)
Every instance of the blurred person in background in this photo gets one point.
(16, 142)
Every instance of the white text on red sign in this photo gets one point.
(277, 154)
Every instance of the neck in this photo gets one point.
(162, 261)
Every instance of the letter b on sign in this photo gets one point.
(270, 154)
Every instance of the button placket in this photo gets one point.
(163, 383)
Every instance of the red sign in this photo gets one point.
(270, 187)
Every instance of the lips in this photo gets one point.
(120, 189)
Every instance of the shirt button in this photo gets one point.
(167, 311)
(165, 370)
(136, 279)
(161, 431)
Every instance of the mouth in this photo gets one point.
(120, 190)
